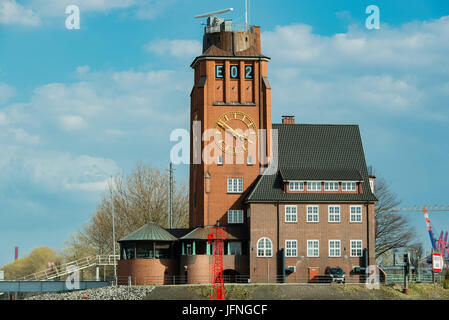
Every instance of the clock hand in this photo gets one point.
(223, 125)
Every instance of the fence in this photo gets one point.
(420, 275)
(391, 275)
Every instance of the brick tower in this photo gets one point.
(230, 103)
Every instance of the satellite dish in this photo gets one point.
(214, 13)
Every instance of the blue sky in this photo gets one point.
(77, 106)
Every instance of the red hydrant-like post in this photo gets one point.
(216, 237)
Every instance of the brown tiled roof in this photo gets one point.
(214, 51)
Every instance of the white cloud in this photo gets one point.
(13, 13)
(141, 9)
(82, 69)
(71, 123)
(44, 140)
(175, 48)
(82, 173)
(393, 72)
(6, 93)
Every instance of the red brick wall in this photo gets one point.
(199, 267)
(213, 204)
(264, 223)
(146, 271)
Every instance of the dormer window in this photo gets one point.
(313, 186)
(349, 186)
(331, 186)
(296, 186)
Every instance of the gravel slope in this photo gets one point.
(105, 293)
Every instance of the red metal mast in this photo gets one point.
(216, 237)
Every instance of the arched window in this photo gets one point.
(264, 247)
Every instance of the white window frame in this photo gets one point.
(351, 215)
(311, 183)
(291, 214)
(235, 185)
(235, 216)
(351, 248)
(334, 214)
(300, 185)
(336, 250)
(352, 184)
(264, 250)
(334, 183)
(313, 241)
(291, 251)
(317, 214)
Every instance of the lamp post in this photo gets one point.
(113, 240)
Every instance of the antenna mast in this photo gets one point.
(246, 12)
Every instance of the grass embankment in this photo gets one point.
(302, 292)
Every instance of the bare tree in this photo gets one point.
(134, 199)
(416, 254)
(393, 230)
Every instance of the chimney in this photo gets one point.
(288, 119)
(16, 253)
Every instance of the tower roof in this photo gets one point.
(149, 232)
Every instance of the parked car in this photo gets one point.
(336, 274)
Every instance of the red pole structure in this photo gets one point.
(216, 237)
(16, 253)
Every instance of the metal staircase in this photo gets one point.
(67, 268)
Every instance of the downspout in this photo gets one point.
(277, 242)
(367, 235)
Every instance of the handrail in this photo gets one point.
(69, 267)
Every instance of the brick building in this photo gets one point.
(314, 211)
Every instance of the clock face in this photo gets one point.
(240, 127)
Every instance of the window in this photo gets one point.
(291, 248)
(264, 247)
(248, 72)
(145, 251)
(219, 71)
(331, 186)
(312, 214)
(334, 248)
(235, 216)
(235, 248)
(296, 186)
(235, 185)
(334, 214)
(162, 251)
(314, 186)
(250, 160)
(128, 253)
(234, 72)
(348, 186)
(291, 213)
(355, 213)
(220, 160)
(356, 248)
(313, 248)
